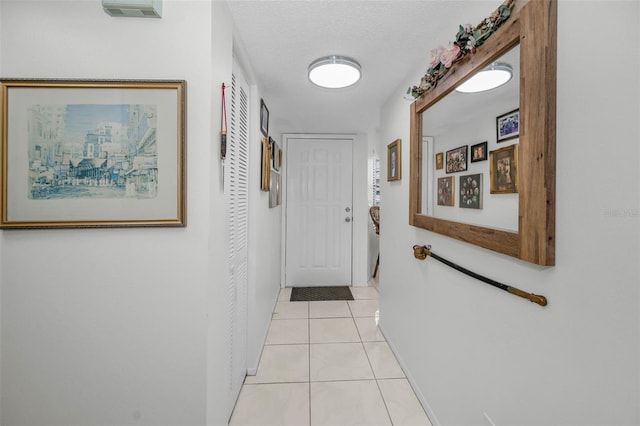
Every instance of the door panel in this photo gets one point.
(237, 184)
(319, 204)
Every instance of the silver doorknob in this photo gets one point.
(347, 219)
(348, 209)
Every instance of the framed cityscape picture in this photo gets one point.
(92, 153)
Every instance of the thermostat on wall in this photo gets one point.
(134, 8)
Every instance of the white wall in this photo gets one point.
(498, 210)
(219, 399)
(120, 326)
(265, 241)
(471, 349)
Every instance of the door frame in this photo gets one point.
(360, 206)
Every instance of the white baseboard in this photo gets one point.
(252, 370)
(414, 386)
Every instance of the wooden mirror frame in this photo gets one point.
(533, 25)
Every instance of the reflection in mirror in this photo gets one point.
(454, 125)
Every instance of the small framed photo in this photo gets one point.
(471, 191)
(457, 159)
(439, 161)
(503, 165)
(446, 191)
(479, 152)
(394, 166)
(274, 190)
(508, 126)
(92, 153)
(264, 118)
(276, 154)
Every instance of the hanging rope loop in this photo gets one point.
(223, 127)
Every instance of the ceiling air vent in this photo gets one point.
(133, 8)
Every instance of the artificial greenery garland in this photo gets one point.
(467, 41)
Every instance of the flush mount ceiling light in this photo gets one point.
(495, 75)
(334, 72)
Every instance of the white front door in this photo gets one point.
(319, 212)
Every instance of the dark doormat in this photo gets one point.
(311, 294)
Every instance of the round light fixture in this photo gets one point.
(334, 72)
(495, 75)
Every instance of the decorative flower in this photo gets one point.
(451, 54)
(471, 44)
(435, 57)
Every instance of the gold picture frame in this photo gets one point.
(265, 182)
(446, 191)
(394, 160)
(440, 161)
(503, 170)
(92, 153)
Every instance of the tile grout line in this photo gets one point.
(309, 344)
(384, 401)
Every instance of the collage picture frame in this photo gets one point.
(471, 191)
(456, 159)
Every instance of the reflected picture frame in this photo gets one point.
(508, 126)
(456, 159)
(470, 191)
(439, 161)
(478, 152)
(92, 153)
(446, 191)
(503, 170)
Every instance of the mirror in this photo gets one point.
(518, 224)
(469, 119)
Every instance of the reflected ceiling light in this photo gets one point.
(495, 75)
(334, 72)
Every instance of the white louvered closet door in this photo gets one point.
(238, 191)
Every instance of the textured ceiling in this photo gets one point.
(391, 39)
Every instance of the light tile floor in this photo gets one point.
(327, 363)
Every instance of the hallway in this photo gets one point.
(327, 363)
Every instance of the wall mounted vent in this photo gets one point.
(133, 8)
